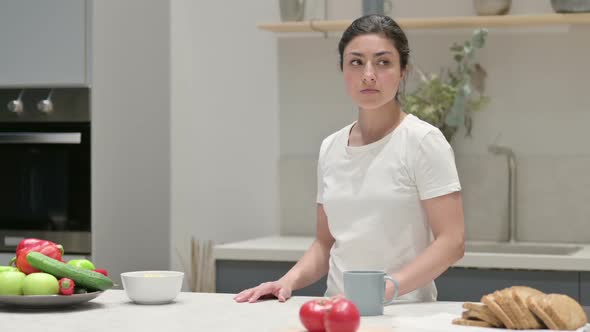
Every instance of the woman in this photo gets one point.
(387, 183)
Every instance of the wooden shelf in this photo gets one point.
(439, 22)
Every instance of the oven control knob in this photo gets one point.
(15, 106)
(45, 106)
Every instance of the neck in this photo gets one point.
(374, 124)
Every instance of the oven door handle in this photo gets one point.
(40, 138)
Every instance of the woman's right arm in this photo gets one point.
(311, 267)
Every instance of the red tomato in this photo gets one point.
(342, 317)
(312, 314)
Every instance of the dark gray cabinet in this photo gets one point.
(585, 288)
(44, 43)
(235, 276)
(456, 284)
(466, 284)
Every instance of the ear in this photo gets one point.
(404, 73)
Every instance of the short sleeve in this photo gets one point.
(320, 178)
(435, 171)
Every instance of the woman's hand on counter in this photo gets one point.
(272, 288)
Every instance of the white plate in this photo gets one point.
(34, 301)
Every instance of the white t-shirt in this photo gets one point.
(371, 195)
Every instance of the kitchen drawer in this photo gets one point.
(585, 288)
(464, 284)
(234, 276)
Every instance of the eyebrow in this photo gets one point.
(376, 54)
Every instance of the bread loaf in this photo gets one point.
(522, 307)
(558, 311)
(481, 312)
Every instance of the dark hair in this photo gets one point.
(378, 24)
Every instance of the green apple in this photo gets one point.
(8, 268)
(11, 283)
(40, 283)
(82, 263)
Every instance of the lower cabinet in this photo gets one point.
(235, 276)
(585, 288)
(467, 284)
(456, 284)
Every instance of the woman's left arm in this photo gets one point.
(445, 216)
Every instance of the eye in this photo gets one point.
(384, 62)
(356, 62)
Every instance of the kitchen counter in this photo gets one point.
(290, 249)
(112, 311)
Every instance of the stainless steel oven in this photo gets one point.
(45, 171)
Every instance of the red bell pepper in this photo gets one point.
(47, 248)
(30, 242)
(66, 286)
(102, 271)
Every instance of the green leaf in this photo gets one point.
(456, 116)
(478, 38)
(466, 89)
(456, 47)
(458, 57)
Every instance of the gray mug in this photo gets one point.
(380, 7)
(366, 289)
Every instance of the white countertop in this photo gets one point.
(290, 249)
(113, 312)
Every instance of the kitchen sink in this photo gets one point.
(521, 248)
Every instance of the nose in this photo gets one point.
(368, 74)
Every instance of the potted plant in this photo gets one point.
(447, 100)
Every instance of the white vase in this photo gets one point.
(292, 10)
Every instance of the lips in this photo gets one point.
(369, 91)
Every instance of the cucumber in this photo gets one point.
(79, 290)
(82, 277)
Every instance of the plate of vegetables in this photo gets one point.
(41, 278)
(35, 301)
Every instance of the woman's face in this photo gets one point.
(372, 72)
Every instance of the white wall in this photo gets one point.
(537, 78)
(131, 135)
(224, 122)
(185, 128)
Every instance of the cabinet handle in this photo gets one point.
(40, 138)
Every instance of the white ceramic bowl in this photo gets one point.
(152, 287)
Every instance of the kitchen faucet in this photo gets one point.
(511, 158)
